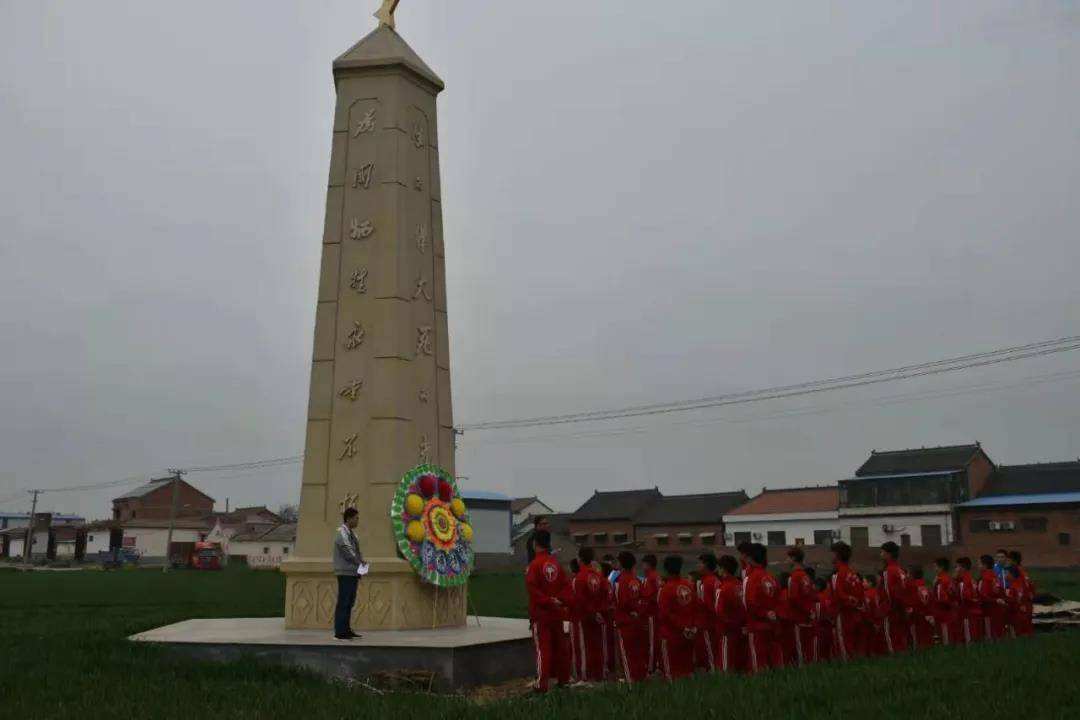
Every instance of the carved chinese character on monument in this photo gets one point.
(421, 289)
(366, 125)
(360, 230)
(352, 391)
(362, 178)
(356, 336)
(423, 340)
(358, 281)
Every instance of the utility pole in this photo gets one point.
(177, 474)
(30, 529)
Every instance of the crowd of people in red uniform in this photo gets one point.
(737, 617)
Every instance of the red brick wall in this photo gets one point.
(648, 543)
(157, 504)
(978, 472)
(611, 527)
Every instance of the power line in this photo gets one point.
(797, 412)
(935, 367)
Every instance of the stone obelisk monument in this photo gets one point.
(380, 374)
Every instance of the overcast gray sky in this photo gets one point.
(644, 201)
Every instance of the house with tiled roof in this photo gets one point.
(685, 523)
(1033, 508)
(787, 516)
(909, 496)
(606, 520)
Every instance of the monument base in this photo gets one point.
(485, 651)
(390, 597)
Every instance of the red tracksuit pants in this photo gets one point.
(632, 652)
(763, 651)
(804, 645)
(552, 654)
(592, 650)
(993, 623)
(970, 629)
(677, 657)
(705, 649)
(652, 640)
(895, 633)
(731, 653)
(848, 644)
(922, 632)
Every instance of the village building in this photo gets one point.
(264, 548)
(154, 501)
(685, 524)
(790, 516)
(910, 496)
(1031, 508)
(523, 511)
(491, 519)
(606, 520)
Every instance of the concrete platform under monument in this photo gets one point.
(486, 650)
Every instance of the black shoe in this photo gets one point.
(354, 636)
(344, 637)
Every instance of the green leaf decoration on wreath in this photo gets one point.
(431, 526)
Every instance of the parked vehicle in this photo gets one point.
(205, 556)
(118, 557)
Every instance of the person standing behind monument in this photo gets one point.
(540, 522)
(347, 560)
(650, 591)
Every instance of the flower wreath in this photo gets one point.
(431, 526)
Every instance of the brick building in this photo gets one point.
(649, 521)
(606, 520)
(792, 516)
(1031, 508)
(909, 496)
(153, 501)
(685, 523)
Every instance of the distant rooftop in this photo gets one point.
(918, 460)
(483, 495)
(1037, 478)
(702, 509)
(791, 500)
(617, 505)
(1061, 498)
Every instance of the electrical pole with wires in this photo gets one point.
(177, 474)
(28, 545)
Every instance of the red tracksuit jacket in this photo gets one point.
(847, 591)
(707, 587)
(548, 589)
(944, 607)
(678, 608)
(761, 594)
(629, 602)
(590, 595)
(894, 588)
(802, 597)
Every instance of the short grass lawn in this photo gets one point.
(65, 656)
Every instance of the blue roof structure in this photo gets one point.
(1039, 499)
(483, 495)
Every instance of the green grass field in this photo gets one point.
(65, 655)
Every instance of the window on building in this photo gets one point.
(685, 538)
(132, 514)
(89, 538)
(860, 536)
(618, 538)
(661, 538)
(1064, 539)
(860, 494)
(1033, 524)
(979, 526)
(284, 549)
(742, 537)
(581, 538)
(266, 551)
(931, 535)
(777, 537)
(708, 538)
(905, 540)
(823, 537)
(600, 538)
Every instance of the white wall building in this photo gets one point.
(793, 516)
(490, 517)
(261, 549)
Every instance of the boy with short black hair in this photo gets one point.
(630, 621)
(650, 591)
(549, 595)
(847, 597)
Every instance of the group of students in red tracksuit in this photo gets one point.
(737, 617)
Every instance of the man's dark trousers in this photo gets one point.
(346, 597)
